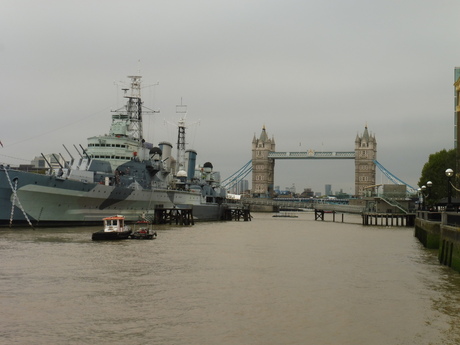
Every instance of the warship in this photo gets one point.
(117, 173)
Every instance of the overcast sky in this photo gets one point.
(314, 72)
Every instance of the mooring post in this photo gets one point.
(319, 214)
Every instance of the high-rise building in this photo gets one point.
(328, 190)
(457, 114)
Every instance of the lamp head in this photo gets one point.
(449, 172)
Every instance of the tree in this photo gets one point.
(434, 171)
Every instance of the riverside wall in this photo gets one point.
(440, 231)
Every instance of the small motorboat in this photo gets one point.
(143, 231)
(114, 229)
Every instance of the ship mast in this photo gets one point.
(134, 108)
(181, 109)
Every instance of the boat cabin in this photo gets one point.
(115, 223)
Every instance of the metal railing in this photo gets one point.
(394, 203)
(305, 205)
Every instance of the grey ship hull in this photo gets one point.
(52, 201)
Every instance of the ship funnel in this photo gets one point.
(155, 153)
(191, 163)
(166, 148)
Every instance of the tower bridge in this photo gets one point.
(311, 154)
(264, 156)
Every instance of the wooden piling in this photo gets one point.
(388, 219)
(178, 216)
(237, 214)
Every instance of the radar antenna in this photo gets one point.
(181, 109)
(134, 108)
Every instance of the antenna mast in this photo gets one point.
(181, 109)
(134, 108)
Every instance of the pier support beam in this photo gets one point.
(319, 215)
(237, 214)
(178, 216)
(388, 219)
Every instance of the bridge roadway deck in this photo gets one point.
(311, 154)
(302, 204)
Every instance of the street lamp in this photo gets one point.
(429, 184)
(449, 174)
(423, 197)
(425, 193)
(420, 198)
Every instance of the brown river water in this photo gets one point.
(268, 281)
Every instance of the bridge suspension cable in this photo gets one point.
(239, 175)
(393, 178)
(236, 177)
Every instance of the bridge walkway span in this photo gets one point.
(304, 204)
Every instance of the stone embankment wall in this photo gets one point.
(441, 231)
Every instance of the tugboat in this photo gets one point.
(143, 231)
(114, 229)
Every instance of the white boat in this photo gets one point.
(114, 229)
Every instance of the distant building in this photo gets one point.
(457, 114)
(307, 193)
(55, 160)
(394, 191)
(328, 189)
(241, 187)
(39, 162)
(291, 189)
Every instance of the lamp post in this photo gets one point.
(425, 192)
(420, 198)
(429, 184)
(449, 174)
(423, 188)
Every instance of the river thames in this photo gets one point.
(268, 281)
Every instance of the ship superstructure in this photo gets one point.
(119, 172)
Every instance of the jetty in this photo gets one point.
(178, 216)
(237, 212)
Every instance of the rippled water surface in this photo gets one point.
(269, 281)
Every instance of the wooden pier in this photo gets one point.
(388, 219)
(319, 215)
(374, 218)
(237, 213)
(178, 216)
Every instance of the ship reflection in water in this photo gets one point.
(269, 281)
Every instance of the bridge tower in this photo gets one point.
(365, 154)
(263, 168)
